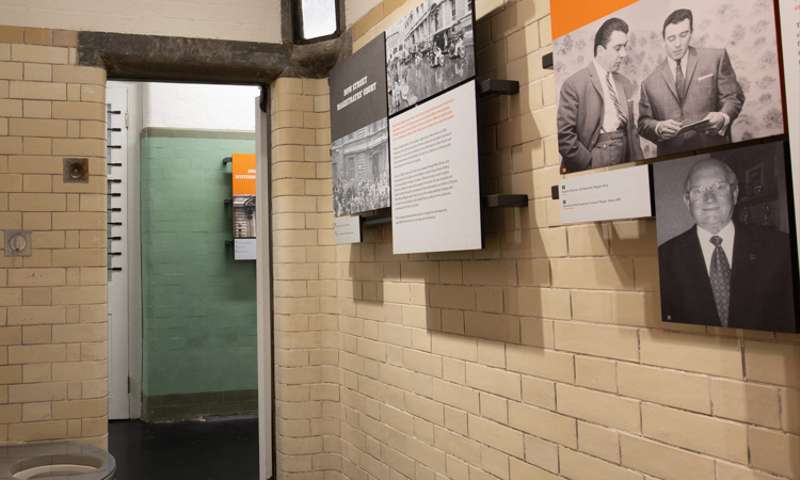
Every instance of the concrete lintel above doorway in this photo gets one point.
(151, 57)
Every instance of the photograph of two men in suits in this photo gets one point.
(633, 88)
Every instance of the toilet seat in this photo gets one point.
(55, 461)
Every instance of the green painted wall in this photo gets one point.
(199, 306)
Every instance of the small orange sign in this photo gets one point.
(244, 174)
(570, 15)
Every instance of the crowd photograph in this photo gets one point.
(428, 51)
(361, 170)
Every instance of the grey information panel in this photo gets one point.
(359, 147)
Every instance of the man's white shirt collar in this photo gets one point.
(727, 234)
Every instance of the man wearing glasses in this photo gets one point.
(720, 272)
(693, 98)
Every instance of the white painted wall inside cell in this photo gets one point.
(355, 9)
(195, 106)
(243, 20)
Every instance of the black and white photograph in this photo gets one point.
(359, 147)
(361, 170)
(429, 50)
(667, 77)
(724, 239)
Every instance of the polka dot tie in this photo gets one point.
(720, 275)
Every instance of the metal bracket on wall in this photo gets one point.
(226, 160)
(547, 61)
(554, 193)
(497, 200)
(505, 200)
(489, 86)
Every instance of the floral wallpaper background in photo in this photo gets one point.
(746, 28)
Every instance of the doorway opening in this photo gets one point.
(189, 349)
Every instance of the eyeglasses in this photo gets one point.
(715, 188)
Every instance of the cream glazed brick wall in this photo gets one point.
(53, 365)
(540, 357)
(306, 324)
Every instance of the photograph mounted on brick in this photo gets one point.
(428, 51)
(359, 132)
(725, 239)
(656, 79)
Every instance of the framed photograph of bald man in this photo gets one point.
(725, 250)
(646, 79)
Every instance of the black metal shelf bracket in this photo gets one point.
(381, 220)
(505, 200)
(490, 86)
(547, 61)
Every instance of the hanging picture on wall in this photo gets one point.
(724, 233)
(429, 50)
(244, 205)
(647, 79)
(359, 146)
(435, 181)
(790, 34)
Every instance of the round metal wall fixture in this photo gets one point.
(18, 243)
(76, 170)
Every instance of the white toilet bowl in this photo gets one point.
(55, 461)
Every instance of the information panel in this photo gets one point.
(347, 230)
(434, 172)
(790, 28)
(244, 206)
(615, 195)
(359, 146)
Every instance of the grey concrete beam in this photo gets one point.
(154, 58)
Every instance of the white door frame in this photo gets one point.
(117, 240)
(264, 290)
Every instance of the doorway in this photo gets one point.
(188, 334)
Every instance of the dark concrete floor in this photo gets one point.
(217, 449)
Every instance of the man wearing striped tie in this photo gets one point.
(722, 272)
(596, 124)
(692, 85)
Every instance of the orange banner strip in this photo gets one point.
(570, 15)
(244, 174)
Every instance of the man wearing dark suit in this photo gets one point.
(700, 284)
(596, 124)
(692, 84)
